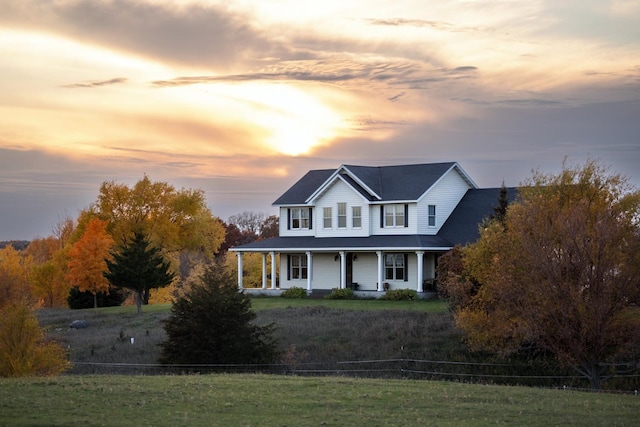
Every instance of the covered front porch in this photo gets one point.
(364, 270)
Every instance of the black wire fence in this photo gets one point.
(469, 372)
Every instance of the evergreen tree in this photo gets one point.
(212, 324)
(500, 211)
(140, 268)
(76, 299)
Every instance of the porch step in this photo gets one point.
(319, 293)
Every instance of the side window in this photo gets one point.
(432, 216)
(299, 218)
(356, 217)
(327, 217)
(342, 215)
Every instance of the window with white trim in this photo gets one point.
(431, 217)
(394, 215)
(395, 267)
(299, 218)
(342, 215)
(297, 267)
(327, 217)
(356, 216)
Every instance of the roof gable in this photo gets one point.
(375, 183)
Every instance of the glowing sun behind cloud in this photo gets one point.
(294, 121)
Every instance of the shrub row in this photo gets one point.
(401, 294)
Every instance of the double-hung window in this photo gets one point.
(394, 216)
(431, 217)
(395, 267)
(342, 215)
(327, 217)
(299, 218)
(298, 267)
(356, 216)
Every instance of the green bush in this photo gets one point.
(340, 294)
(401, 294)
(294, 292)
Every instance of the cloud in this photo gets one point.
(190, 33)
(436, 25)
(117, 80)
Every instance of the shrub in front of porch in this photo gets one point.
(340, 294)
(401, 294)
(294, 292)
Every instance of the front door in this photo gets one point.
(349, 269)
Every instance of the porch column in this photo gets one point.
(380, 270)
(273, 270)
(264, 270)
(309, 271)
(420, 255)
(343, 270)
(239, 269)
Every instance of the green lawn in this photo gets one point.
(268, 303)
(261, 400)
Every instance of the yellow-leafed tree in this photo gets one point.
(14, 276)
(87, 259)
(23, 348)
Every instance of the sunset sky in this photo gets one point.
(241, 98)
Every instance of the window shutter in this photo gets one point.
(406, 215)
(310, 218)
(289, 219)
(381, 216)
(406, 267)
(288, 267)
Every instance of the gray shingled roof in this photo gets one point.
(462, 225)
(302, 243)
(305, 187)
(403, 182)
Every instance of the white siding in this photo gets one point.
(445, 195)
(365, 271)
(326, 271)
(340, 192)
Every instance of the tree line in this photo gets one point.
(175, 224)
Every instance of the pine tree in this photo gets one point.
(212, 324)
(500, 211)
(140, 267)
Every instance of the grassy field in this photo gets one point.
(270, 303)
(262, 400)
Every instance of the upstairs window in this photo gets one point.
(395, 267)
(394, 216)
(299, 218)
(342, 215)
(432, 216)
(356, 217)
(327, 218)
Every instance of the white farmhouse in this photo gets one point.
(371, 228)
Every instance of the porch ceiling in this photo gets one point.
(413, 242)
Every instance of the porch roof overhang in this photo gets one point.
(409, 242)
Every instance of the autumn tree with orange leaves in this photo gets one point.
(87, 259)
(561, 273)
